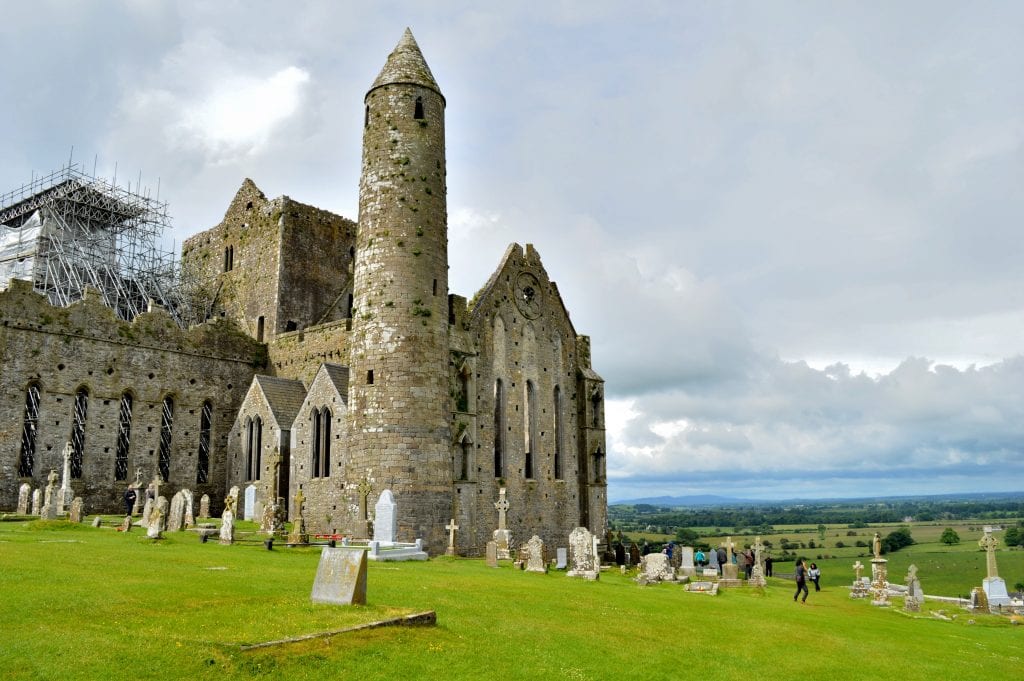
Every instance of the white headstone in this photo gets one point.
(24, 492)
(204, 506)
(189, 503)
(147, 511)
(655, 567)
(37, 495)
(156, 520)
(227, 527)
(340, 577)
(995, 590)
(250, 502)
(582, 557)
(163, 506)
(686, 565)
(385, 519)
(561, 558)
(535, 555)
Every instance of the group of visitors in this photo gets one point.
(802, 575)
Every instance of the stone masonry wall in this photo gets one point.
(86, 346)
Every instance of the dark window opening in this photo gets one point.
(30, 427)
(229, 258)
(558, 433)
(124, 438)
(348, 308)
(78, 432)
(291, 325)
(366, 116)
(259, 329)
(435, 287)
(205, 426)
(316, 440)
(254, 447)
(499, 429)
(166, 423)
(530, 435)
(418, 111)
(369, 377)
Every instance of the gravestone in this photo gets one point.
(561, 558)
(155, 521)
(451, 527)
(24, 492)
(535, 555)
(757, 571)
(147, 511)
(686, 566)
(250, 503)
(880, 581)
(75, 512)
(385, 519)
(915, 596)
(620, 554)
(189, 503)
(97, 521)
(267, 521)
(137, 506)
(634, 554)
(655, 567)
(235, 495)
(860, 586)
(583, 558)
(49, 508)
(126, 526)
(176, 516)
(65, 495)
(298, 534)
(502, 536)
(340, 577)
(204, 506)
(712, 559)
(227, 527)
(492, 554)
(163, 506)
(37, 495)
(280, 516)
(993, 584)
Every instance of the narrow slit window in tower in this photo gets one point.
(558, 433)
(499, 429)
(369, 377)
(418, 111)
(366, 117)
(530, 434)
(259, 329)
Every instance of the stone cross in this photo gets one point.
(729, 546)
(67, 465)
(989, 543)
(300, 499)
(451, 527)
(51, 479)
(502, 505)
(364, 490)
(911, 573)
(156, 485)
(138, 477)
(758, 548)
(858, 568)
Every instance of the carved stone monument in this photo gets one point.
(298, 534)
(860, 586)
(655, 567)
(757, 573)
(451, 527)
(492, 554)
(37, 495)
(227, 526)
(385, 519)
(49, 509)
(250, 503)
(730, 570)
(502, 536)
(176, 515)
(993, 584)
(535, 555)
(75, 512)
(915, 597)
(66, 494)
(24, 493)
(155, 523)
(204, 506)
(583, 558)
(880, 575)
(340, 577)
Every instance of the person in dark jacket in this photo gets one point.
(129, 500)
(801, 581)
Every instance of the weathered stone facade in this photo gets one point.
(337, 362)
(84, 354)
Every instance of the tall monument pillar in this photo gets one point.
(398, 386)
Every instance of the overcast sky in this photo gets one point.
(791, 229)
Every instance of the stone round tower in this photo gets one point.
(398, 387)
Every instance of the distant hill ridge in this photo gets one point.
(717, 500)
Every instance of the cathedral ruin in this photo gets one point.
(299, 350)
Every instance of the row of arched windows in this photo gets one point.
(531, 419)
(79, 418)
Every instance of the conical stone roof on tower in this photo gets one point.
(406, 65)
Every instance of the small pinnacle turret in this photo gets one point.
(406, 65)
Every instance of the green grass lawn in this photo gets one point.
(85, 603)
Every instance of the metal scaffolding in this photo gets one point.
(68, 230)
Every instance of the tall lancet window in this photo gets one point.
(530, 429)
(558, 433)
(124, 437)
(499, 429)
(29, 428)
(166, 423)
(78, 432)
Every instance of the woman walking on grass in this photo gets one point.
(814, 574)
(801, 580)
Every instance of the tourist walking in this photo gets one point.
(699, 557)
(814, 574)
(748, 563)
(801, 581)
(768, 566)
(722, 558)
